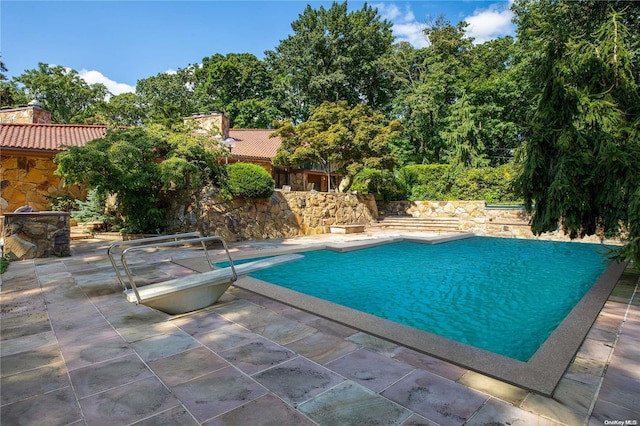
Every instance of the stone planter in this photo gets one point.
(28, 235)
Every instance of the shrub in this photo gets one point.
(63, 203)
(382, 183)
(249, 181)
(426, 181)
(492, 184)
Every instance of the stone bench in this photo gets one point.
(346, 229)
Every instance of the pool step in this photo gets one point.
(410, 223)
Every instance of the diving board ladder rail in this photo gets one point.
(139, 241)
(177, 242)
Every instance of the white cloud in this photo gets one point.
(405, 26)
(491, 23)
(92, 77)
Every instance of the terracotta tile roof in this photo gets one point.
(249, 143)
(47, 137)
(254, 143)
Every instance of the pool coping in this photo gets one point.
(541, 374)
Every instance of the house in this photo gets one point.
(258, 146)
(29, 142)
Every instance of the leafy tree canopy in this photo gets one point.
(339, 135)
(332, 56)
(61, 91)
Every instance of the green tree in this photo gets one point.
(168, 98)
(61, 91)
(463, 136)
(10, 94)
(340, 136)
(238, 83)
(430, 81)
(332, 56)
(582, 153)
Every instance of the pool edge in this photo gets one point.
(541, 374)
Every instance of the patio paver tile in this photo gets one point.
(620, 390)
(188, 365)
(201, 322)
(266, 409)
(83, 355)
(164, 345)
(218, 392)
(33, 382)
(322, 348)
(226, 337)
(128, 404)
(58, 407)
(177, 416)
(436, 398)
(298, 380)
(605, 410)
(351, 404)
(429, 363)
(28, 360)
(257, 355)
(496, 412)
(27, 343)
(370, 369)
(106, 375)
(504, 391)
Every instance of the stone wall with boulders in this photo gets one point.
(30, 181)
(36, 234)
(284, 214)
(479, 218)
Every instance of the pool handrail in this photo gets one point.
(175, 243)
(138, 241)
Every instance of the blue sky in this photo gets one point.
(119, 42)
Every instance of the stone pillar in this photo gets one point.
(28, 235)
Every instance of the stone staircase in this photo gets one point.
(410, 223)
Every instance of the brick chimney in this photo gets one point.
(215, 122)
(32, 113)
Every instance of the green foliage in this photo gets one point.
(443, 182)
(382, 183)
(137, 164)
(493, 185)
(333, 55)
(61, 91)
(168, 97)
(4, 263)
(339, 136)
(425, 181)
(63, 203)
(249, 181)
(582, 156)
(92, 209)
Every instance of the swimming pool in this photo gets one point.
(543, 370)
(503, 295)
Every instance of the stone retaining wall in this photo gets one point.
(36, 234)
(284, 214)
(30, 181)
(476, 217)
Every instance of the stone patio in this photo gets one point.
(74, 351)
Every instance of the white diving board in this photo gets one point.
(191, 292)
(194, 292)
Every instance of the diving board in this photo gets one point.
(191, 292)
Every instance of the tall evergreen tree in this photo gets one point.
(582, 153)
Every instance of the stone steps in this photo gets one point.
(409, 223)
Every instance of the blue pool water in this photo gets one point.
(503, 295)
